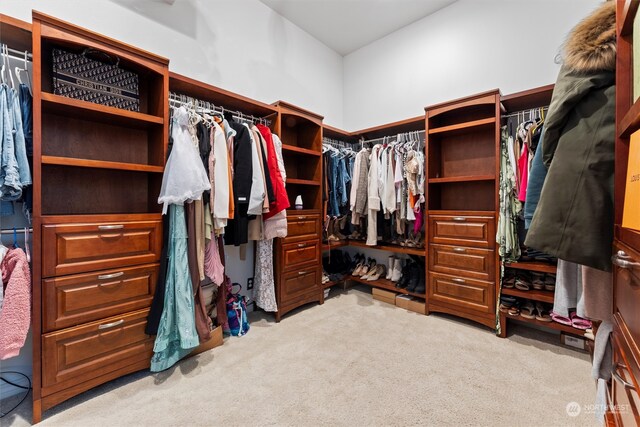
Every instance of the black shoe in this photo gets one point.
(421, 288)
(414, 277)
(404, 278)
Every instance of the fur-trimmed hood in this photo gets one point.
(591, 45)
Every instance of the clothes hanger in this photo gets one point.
(15, 239)
(26, 244)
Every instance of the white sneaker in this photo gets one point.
(392, 261)
(396, 274)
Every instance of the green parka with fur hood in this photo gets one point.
(574, 217)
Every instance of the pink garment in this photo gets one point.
(15, 316)
(523, 166)
(417, 224)
(213, 267)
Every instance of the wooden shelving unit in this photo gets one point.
(97, 173)
(462, 202)
(389, 248)
(385, 284)
(529, 99)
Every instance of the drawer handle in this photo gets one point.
(459, 250)
(111, 325)
(111, 227)
(301, 245)
(627, 385)
(302, 217)
(110, 276)
(300, 273)
(459, 218)
(456, 280)
(621, 259)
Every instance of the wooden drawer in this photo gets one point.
(459, 260)
(624, 384)
(463, 292)
(294, 254)
(303, 227)
(300, 283)
(479, 231)
(79, 248)
(627, 289)
(82, 298)
(78, 354)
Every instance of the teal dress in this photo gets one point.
(177, 334)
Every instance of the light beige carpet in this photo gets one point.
(351, 361)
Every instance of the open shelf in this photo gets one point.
(304, 169)
(91, 191)
(385, 284)
(390, 248)
(461, 155)
(462, 179)
(62, 105)
(458, 127)
(541, 267)
(299, 150)
(462, 196)
(533, 294)
(69, 161)
(551, 325)
(302, 181)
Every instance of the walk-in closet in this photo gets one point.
(319, 212)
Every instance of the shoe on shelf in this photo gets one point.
(392, 263)
(368, 268)
(414, 277)
(522, 282)
(508, 281)
(421, 288)
(404, 276)
(396, 274)
(537, 280)
(550, 282)
(378, 271)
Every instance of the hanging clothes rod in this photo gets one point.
(394, 138)
(529, 111)
(18, 52)
(335, 142)
(17, 230)
(209, 107)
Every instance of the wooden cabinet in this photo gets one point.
(462, 201)
(81, 298)
(298, 256)
(625, 385)
(74, 248)
(97, 225)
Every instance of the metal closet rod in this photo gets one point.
(18, 52)
(523, 112)
(18, 230)
(210, 107)
(394, 137)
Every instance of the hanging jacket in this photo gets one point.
(282, 199)
(237, 231)
(574, 217)
(276, 226)
(15, 317)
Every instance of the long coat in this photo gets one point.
(575, 215)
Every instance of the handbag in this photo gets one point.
(237, 313)
(79, 76)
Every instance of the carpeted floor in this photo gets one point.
(353, 361)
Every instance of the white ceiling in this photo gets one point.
(347, 25)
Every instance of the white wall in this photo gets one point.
(239, 45)
(468, 47)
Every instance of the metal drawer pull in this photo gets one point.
(110, 276)
(621, 260)
(300, 273)
(111, 325)
(621, 380)
(456, 280)
(301, 245)
(459, 250)
(459, 218)
(302, 217)
(110, 227)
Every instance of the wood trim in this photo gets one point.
(303, 182)
(91, 111)
(406, 125)
(487, 320)
(293, 148)
(461, 179)
(477, 99)
(290, 108)
(100, 164)
(206, 92)
(15, 33)
(626, 17)
(630, 122)
(390, 248)
(532, 98)
(335, 133)
(102, 39)
(462, 126)
(535, 295)
(542, 267)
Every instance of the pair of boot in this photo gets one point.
(413, 277)
(394, 272)
(334, 225)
